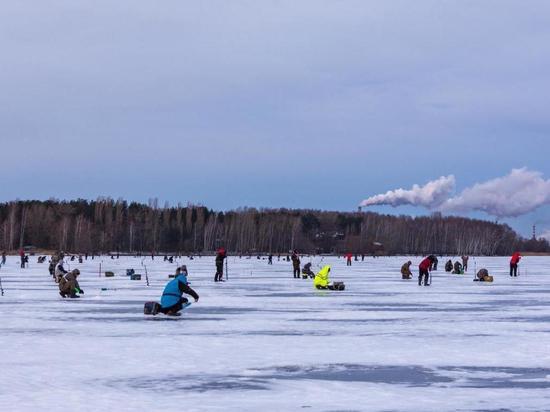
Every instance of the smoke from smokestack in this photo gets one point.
(430, 195)
(515, 194)
(520, 192)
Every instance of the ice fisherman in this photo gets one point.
(449, 266)
(348, 259)
(295, 264)
(406, 270)
(59, 271)
(322, 281)
(457, 270)
(172, 299)
(68, 285)
(424, 270)
(514, 261)
(483, 276)
(307, 272)
(465, 259)
(221, 254)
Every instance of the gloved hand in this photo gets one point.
(197, 299)
(81, 291)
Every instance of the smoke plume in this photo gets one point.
(518, 193)
(430, 195)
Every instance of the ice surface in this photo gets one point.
(266, 341)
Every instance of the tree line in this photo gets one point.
(107, 225)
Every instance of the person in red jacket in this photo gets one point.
(424, 270)
(348, 259)
(516, 257)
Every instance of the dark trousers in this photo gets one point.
(348, 262)
(513, 269)
(423, 273)
(175, 308)
(219, 272)
(296, 272)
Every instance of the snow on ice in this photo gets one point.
(266, 341)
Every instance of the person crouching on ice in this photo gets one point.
(406, 271)
(307, 272)
(483, 276)
(321, 280)
(68, 285)
(172, 300)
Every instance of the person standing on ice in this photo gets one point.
(220, 256)
(435, 261)
(424, 270)
(22, 256)
(295, 264)
(172, 299)
(514, 261)
(465, 259)
(68, 285)
(3, 258)
(348, 259)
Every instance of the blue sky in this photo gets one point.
(277, 103)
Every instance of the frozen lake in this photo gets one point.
(266, 341)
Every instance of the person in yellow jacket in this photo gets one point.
(321, 280)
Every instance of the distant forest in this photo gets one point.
(107, 225)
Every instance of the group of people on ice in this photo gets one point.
(429, 264)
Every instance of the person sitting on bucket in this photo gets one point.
(449, 266)
(483, 276)
(172, 300)
(68, 285)
(406, 271)
(321, 280)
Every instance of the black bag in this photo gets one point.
(151, 308)
(339, 286)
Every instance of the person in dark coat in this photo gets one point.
(449, 266)
(435, 261)
(307, 272)
(295, 264)
(457, 268)
(220, 257)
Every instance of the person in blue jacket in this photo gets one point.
(172, 299)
